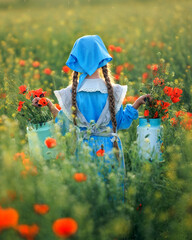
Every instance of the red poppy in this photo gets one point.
(179, 113)
(22, 63)
(29, 94)
(119, 69)
(28, 232)
(174, 99)
(36, 64)
(65, 227)
(8, 218)
(100, 152)
(177, 92)
(145, 75)
(20, 106)
(155, 115)
(166, 116)
(50, 142)
(43, 102)
(41, 208)
(47, 71)
(22, 89)
(168, 90)
(165, 104)
(39, 93)
(146, 113)
(173, 121)
(66, 69)
(154, 67)
(148, 66)
(158, 81)
(117, 77)
(80, 177)
(118, 49)
(111, 48)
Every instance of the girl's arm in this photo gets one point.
(50, 105)
(125, 117)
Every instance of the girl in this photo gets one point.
(94, 103)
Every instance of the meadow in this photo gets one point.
(36, 38)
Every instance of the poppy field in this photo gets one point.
(63, 197)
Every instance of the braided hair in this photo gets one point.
(74, 93)
(106, 74)
(111, 106)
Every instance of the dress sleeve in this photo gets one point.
(125, 117)
(63, 122)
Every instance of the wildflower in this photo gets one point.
(117, 77)
(47, 71)
(22, 63)
(146, 113)
(168, 90)
(158, 81)
(100, 152)
(23, 89)
(20, 155)
(28, 232)
(36, 64)
(29, 94)
(119, 69)
(155, 67)
(8, 218)
(179, 113)
(165, 104)
(155, 115)
(174, 99)
(65, 227)
(118, 49)
(148, 66)
(57, 106)
(166, 116)
(39, 93)
(80, 177)
(65, 69)
(145, 75)
(41, 208)
(111, 48)
(43, 102)
(20, 106)
(173, 121)
(153, 43)
(50, 142)
(177, 92)
(36, 76)
(124, 101)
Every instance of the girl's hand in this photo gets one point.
(35, 102)
(141, 100)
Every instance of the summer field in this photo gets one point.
(36, 38)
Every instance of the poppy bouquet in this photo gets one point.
(163, 90)
(25, 109)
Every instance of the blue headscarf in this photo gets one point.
(87, 55)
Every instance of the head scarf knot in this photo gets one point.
(87, 55)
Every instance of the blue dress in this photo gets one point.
(93, 105)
